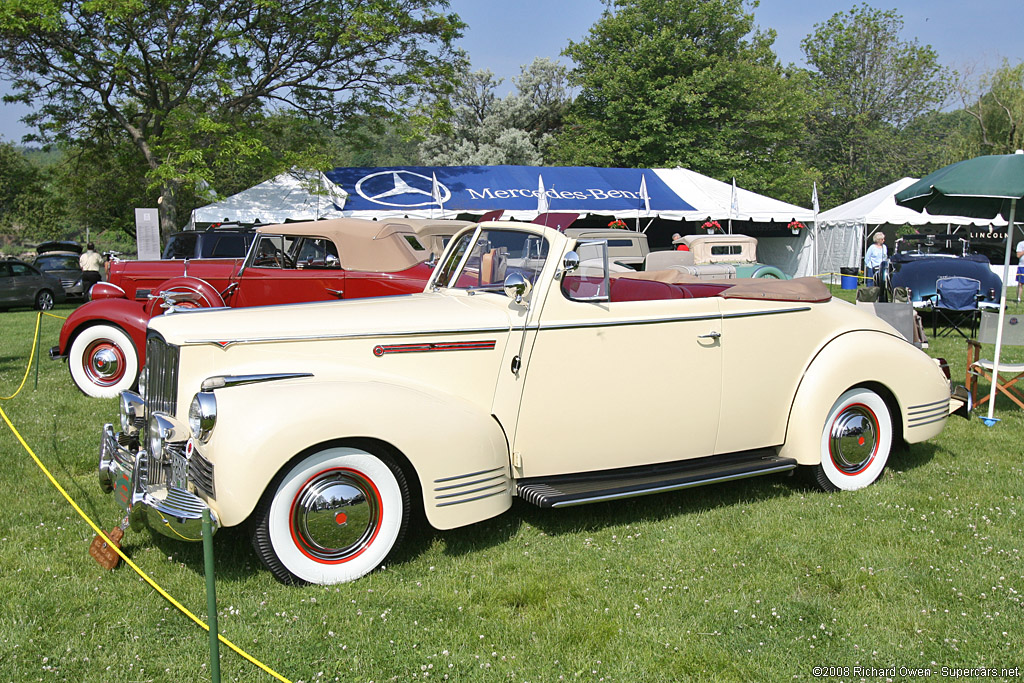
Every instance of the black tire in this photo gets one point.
(44, 300)
(331, 517)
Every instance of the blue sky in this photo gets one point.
(503, 36)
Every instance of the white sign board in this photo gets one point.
(147, 234)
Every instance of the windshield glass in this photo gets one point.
(57, 262)
(493, 255)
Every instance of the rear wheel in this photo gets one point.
(855, 441)
(44, 300)
(103, 361)
(334, 516)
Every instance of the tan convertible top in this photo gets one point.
(375, 246)
(799, 289)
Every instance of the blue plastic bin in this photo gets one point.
(848, 278)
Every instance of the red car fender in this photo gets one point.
(128, 315)
(209, 296)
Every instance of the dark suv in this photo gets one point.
(220, 242)
(60, 259)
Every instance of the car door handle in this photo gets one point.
(710, 335)
(340, 293)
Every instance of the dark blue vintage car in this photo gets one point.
(920, 260)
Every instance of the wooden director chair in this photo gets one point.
(1009, 373)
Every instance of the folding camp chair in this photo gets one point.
(1009, 373)
(956, 302)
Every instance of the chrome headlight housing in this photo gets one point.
(143, 380)
(163, 429)
(133, 413)
(202, 415)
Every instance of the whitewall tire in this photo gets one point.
(855, 441)
(334, 516)
(103, 361)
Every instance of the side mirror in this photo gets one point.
(517, 287)
(571, 262)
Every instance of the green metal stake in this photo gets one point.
(211, 598)
(39, 339)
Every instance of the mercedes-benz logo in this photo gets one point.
(405, 189)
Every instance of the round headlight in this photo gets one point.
(154, 438)
(133, 413)
(143, 380)
(202, 415)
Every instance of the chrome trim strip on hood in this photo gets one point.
(223, 381)
(225, 343)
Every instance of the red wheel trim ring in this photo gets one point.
(376, 530)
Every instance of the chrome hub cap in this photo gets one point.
(335, 515)
(104, 363)
(853, 440)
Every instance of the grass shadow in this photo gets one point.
(597, 516)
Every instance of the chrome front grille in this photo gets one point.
(200, 474)
(162, 376)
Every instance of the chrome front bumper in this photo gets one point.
(168, 510)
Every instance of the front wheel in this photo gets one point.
(103, 361)
(333, 517)
(855, 441)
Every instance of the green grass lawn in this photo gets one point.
(760, 580)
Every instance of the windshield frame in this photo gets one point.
(474, 235)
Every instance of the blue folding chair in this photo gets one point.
(956, 302)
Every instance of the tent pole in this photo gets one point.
(1002, 314)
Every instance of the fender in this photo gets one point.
(910, 381)
(768, 271)
(459, 452)
(209, 297)
(128, 315)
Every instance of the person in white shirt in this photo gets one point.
(876, 253)
(1020, 268)
(91, 263)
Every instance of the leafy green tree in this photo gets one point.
(995, 104)
(869, 84)
(33, 203)
(686, 83)
(515, 129)
(15, 173)
(190, 82)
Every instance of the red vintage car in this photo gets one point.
(105, 339)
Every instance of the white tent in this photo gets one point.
(292, 196)
(721, 201)
(432, 192)
(724, 202)
(845, 228)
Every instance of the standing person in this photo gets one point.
(1020, 268)
(876, 253)
(677, 240)
(91, 263)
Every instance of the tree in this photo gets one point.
(515, 129)
(995, 103)
(33, 205)
(869, 85)
(190, 82)
(686, 83)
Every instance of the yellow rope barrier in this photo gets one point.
(167, 596)
(35, 339)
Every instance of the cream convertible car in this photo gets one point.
(517, 372)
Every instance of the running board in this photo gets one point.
(592, 487)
